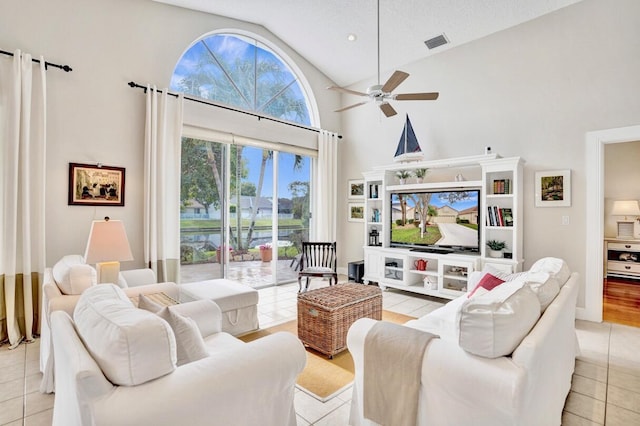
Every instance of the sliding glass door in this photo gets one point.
(244, 213)
(202, 210)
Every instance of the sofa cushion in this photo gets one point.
(131, 346)
(554, 266)
(84, 275)
(493, 324)
(227, 294)
(190, 345)
(487, 282)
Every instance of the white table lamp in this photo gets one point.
(626, 208)
(106, 247)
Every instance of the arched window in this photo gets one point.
(242, 72)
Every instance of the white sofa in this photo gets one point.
(526, 386)
(74, 276)
(116, 365)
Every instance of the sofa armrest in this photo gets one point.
(206, 314)
(456, 387)
(253, 384)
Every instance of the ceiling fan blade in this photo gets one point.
(350, 106)
(342, 89)
(387, 109)
(394, 81)
(417, 96)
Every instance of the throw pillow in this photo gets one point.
(544, 286)
(493, 324)
(61, 269)
(507, 276)
(554, 266)
(148, 305)
(131, 346)
(190, 345)
(80, 278)
(487, 282)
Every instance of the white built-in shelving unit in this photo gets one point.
(445, 274)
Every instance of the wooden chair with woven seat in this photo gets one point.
(318, 260)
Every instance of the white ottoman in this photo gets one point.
(238, 302)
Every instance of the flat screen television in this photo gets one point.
(436, 220)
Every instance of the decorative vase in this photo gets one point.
(266, 255)
(419, 180)
(402, 181)
(495, 253)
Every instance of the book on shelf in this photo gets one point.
(497, 216)
(508, 216)
(490, 216)
(502, 186)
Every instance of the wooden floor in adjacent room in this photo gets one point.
(621, 301)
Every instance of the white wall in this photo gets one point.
(531, 91)
(93, 115)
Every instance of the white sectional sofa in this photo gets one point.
(120, 365)
(503, 357)
(70, 277)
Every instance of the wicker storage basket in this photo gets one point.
(325, 315)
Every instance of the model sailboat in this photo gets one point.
(408, 147)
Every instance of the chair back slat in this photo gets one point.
(319, 254)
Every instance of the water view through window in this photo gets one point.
(267, 202)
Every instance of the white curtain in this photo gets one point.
(22, 183)
(162, 184)
(326, 187)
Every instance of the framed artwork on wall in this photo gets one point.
(96, 185)
(356, 189)
(553, 188)
(356, 212)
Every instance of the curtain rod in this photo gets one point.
(65, 68)
(135, 85)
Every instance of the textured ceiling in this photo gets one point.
(318, 29)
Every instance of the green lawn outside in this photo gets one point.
(411, 234)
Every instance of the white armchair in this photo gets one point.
(62, 278)
(236, 383)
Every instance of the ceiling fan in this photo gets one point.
(382, 93)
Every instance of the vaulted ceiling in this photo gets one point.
(319, 29)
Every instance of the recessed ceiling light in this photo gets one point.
(352, 37)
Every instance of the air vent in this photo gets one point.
(436, 41)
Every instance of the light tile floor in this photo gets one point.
(605, 388)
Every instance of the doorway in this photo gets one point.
(621, 295)
(595, 215)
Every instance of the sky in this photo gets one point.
(286, 175)
(436, 201)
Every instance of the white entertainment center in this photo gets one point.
(445, 274)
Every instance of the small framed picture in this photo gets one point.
(96, 185)
(553, 188)
(356, 212)
(356, 189)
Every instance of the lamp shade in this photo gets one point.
(107, 242)
(625, 208)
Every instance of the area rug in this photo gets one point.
(323, 378)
